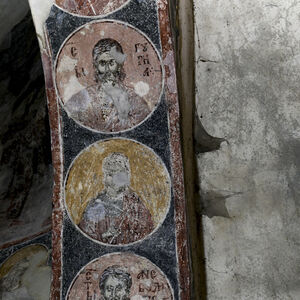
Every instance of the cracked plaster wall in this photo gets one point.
(247, 92)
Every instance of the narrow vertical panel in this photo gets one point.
(119, 215)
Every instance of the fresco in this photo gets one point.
(117, 191)
(109, 76)
(121, 277)
(115, 135)
(91, 7)
(26, 274)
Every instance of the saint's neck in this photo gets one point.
(115, 195)
(110, 83)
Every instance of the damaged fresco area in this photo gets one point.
(26, 274)
(121, 276)
(109, 76)
(117, 191)
(91, 7)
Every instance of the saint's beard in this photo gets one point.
(109, 77)
(117, 298)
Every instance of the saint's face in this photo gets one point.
(115, 289)
(107, 67)
(117, 180)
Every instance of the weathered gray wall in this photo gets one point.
(247, 90)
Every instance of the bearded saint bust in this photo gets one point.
(109, 105)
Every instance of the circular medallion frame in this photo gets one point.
(91, 8)
(144, 277)
(146, 199)
(109, 101)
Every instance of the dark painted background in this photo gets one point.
(160, 247)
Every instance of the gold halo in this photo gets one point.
(18, 256)
(149, 178)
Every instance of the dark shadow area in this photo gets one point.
(25, 149)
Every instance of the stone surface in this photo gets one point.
(247, 78)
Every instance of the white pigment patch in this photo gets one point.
(80, 186)
(71, 88)
(118, 56)
(99, 148)
(141, 88)
(67, 64)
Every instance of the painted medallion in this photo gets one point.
(117, 191)
(109, 76)
(121, 276)
(91, 8)
(26, 274)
